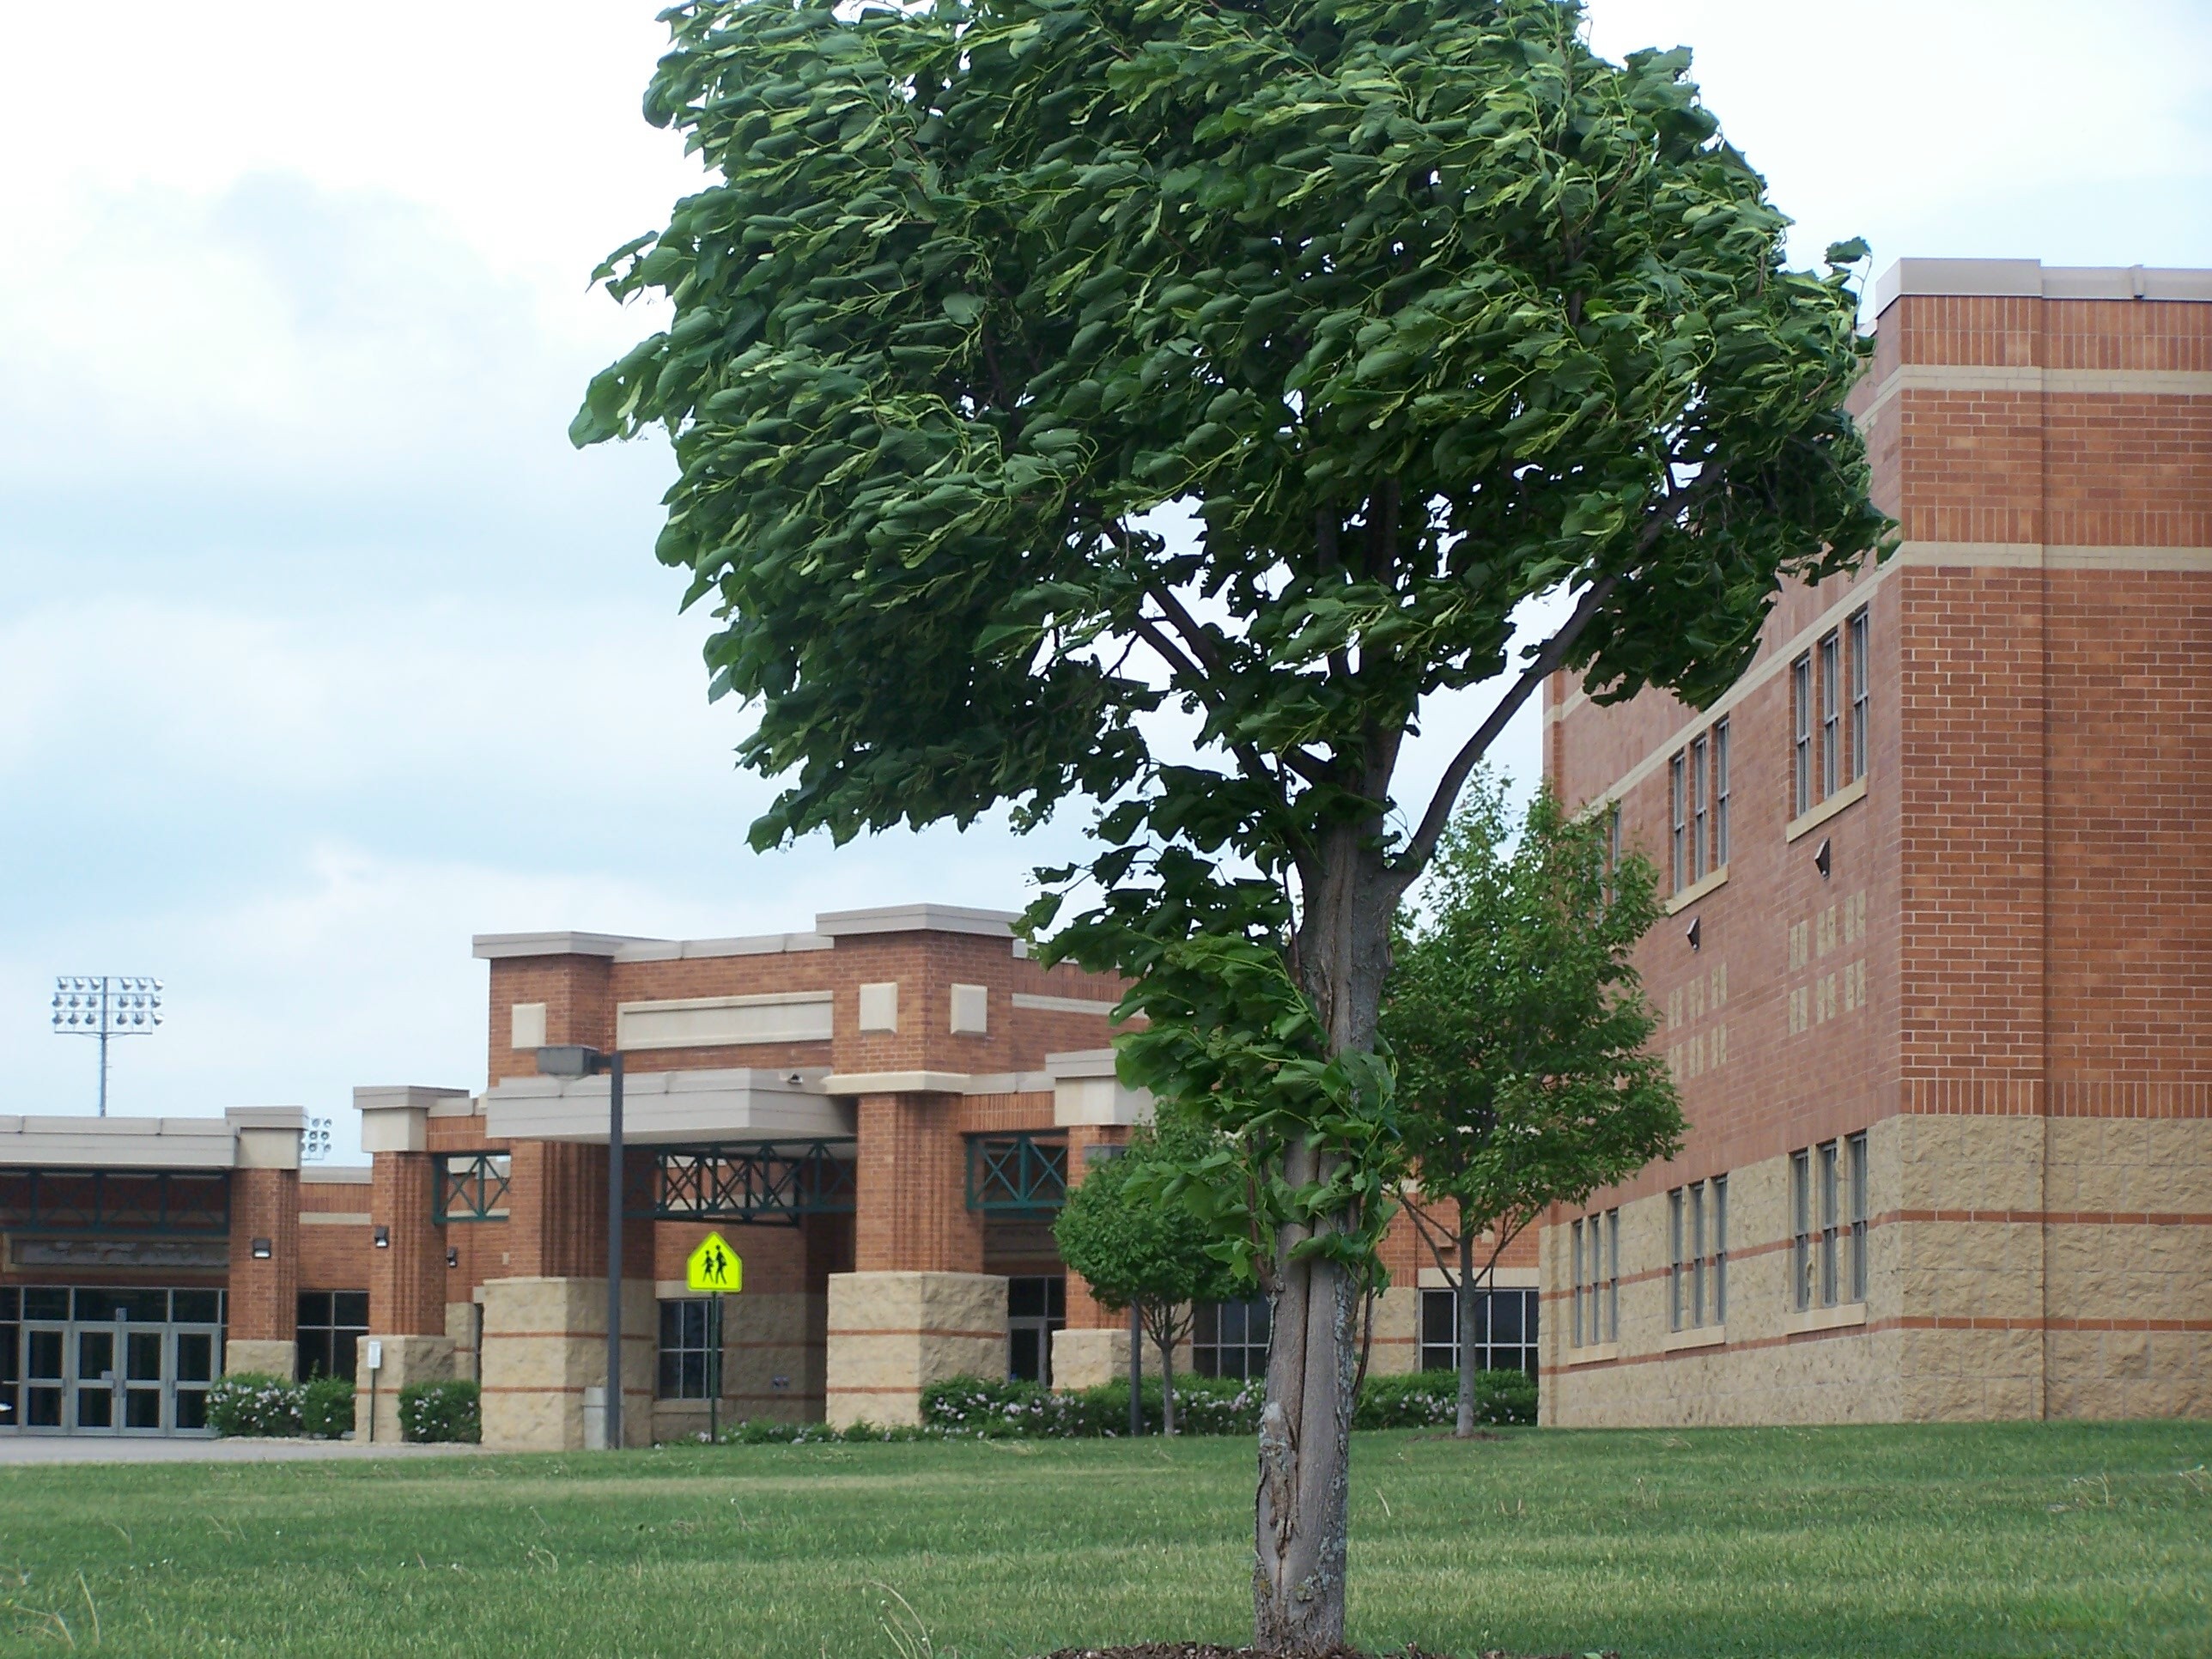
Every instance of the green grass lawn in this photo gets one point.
(2019, 1538)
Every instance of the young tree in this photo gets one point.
(1518, 1026)
(1420, 307)
(1133, 1246)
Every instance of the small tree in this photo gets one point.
(1133, 1246)
(1519, 1026)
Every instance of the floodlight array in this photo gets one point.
(111, 1004)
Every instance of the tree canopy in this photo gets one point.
(1134, 1247)
(1418, 308)
(1519, 1028)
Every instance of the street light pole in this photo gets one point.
(576, 1059)
(614, 1251)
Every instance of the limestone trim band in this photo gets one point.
(1850, 795)
(1064, 1005)
(2030, 381)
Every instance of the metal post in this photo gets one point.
(614, 1185)
(714, 1372)
(103, 1049)
(1136, 1372)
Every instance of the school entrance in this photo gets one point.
(104, 1360)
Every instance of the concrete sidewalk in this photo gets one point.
(25, 1449)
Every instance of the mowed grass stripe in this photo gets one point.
(2010, 1539)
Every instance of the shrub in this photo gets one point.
(448, 1411)
(766, 1431)
(1430, 1399)
(326, 1406)
(253, 1403)
(989, 1408)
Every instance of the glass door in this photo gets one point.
(93, 1388)
(45, 1380)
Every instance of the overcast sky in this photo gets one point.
(321, 650)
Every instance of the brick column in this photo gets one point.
(1097, 1112)
(912, 1177)
(262, 1305)
(407, 1275)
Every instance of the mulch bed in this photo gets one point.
(1208, 1650)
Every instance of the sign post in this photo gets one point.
(717, 1271)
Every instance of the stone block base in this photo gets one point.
(1085, 1359)
(376, 1393)
(544, 1341)
(891, 1334)
(246, 1353)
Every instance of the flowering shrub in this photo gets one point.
(989, 1408)
(1430, 1399)
(253, 1403)
(441, 1412)
(326, 1406)
(762, 1431)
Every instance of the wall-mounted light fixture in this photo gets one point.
(383, 1239)
(452, 1257)
(1696, 935)
(1821, 859)
(263, 1250)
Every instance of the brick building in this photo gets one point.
(1937, 971)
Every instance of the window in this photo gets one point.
(1595, 1244)
(331, 1324)
(1504, 1330)
(1612, 891)
(1700, 812)
(1036, 1306)
(1675, 807)
(686, 1339)
(1720, 794)
(1801, 735)
(1697, 1279)
(1230, 1339)
(1828, 1216)
(1858, 632)
(1831, 731)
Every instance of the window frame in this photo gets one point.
(1855, 1176)
(1831, 717)
(1487, 1345)
(1801, 1228)
(1801, 735)
(1720, 793)
(1859, 630)
(685, 1351)
(1700, 805)
(1208, 1346)
(1676, 801)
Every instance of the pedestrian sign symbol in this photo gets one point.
(715, 1267)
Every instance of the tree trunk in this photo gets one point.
(1342, 956)
(1463, 1425)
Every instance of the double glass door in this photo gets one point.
(116, 1362)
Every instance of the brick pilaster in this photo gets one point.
(912, 1177)
(407, 1278)
(265, 1295)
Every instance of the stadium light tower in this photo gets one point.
(105, 1005)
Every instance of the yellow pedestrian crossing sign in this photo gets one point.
(715, 1267)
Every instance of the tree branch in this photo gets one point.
(1423, 844)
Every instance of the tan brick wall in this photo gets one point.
(891, 1334)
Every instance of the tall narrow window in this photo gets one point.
(1832, 730)
(1613, 1275)
(1829, 1212)
(1700, 811)
(1801, 1227)
(1801, 740)
(1697, 1252)
(1677, 1305)
(1858, 626)
(1854, 1175)
(1720, 794)
(1579, 1336)
(1675, 807)
(1612, 854)
(1719, 1184)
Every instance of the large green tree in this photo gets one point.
(1519, 1028)
(1135, 1248)
(1417, 308)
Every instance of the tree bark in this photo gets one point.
(1342, 955)
(1463, 1423)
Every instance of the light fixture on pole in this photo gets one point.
(576, 1059)
(105, 1005)
(315, 1140)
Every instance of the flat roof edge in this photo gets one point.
(2032, 279)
